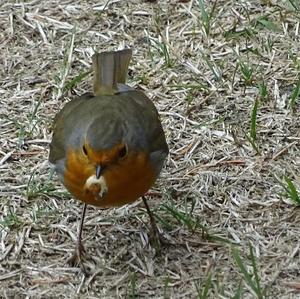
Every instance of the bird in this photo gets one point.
(108, 146)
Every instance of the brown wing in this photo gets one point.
(62, 125)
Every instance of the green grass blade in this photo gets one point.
(204, 17)
(72, 83)
(253, 144)
(243, 270)
(268, 24)
(255, 271)
(213, 67)
(292, 191)
(239, 292)
(253, 120)
(295, 95)
(166, 287)
(295, 4)
(66, 66)
(263, 90)
(180, 216)
(207, 286)
(133, 287)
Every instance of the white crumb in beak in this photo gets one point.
(92, 181)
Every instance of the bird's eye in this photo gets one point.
(84, 150)
(123, 151)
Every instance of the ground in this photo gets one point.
(224, 76)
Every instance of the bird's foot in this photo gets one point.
(78, 257)
(157, 240)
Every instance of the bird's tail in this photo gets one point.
(110, 71)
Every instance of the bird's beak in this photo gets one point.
(98, 171)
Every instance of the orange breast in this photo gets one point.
(126, 180)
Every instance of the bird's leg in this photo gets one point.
(155, 234)
(77, 257)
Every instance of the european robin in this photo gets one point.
(108, 147)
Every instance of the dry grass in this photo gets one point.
(221, 185)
